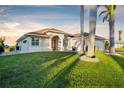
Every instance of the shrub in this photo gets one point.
(1, 49)
(12, 48)
(106, 45)
(123, 46)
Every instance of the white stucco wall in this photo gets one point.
(43, 45)
(100, 44)
(24, 47)
(73, 42)
(70, 43)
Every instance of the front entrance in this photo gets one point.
(55, 41)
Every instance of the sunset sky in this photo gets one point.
(17, 20)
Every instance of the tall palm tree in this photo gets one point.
(109, 16)
(120, 32)
(82, 28)
(92, 29)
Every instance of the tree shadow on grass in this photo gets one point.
(119, 60)
(46, 58)
(51, 70)
(51, 55)
(22, 72)
(60, 80)
(59, 61)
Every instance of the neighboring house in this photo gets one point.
(42, 40)
(53, 39)
(119, 44)
(99, 41)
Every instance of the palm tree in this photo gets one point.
(82, 28)
(120, 32)
(92, 29)
(109, 16)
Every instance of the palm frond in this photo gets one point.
(106, 18)
(105, 11)
(108, 7)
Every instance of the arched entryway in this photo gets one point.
(54, 43)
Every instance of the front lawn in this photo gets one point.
(60, 69)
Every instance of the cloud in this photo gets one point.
(44, 16)
(10, 29)
(3, 10)
(72, 28)
(31, 26)
(12, 25)
(18, 29)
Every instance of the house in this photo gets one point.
(53, 39)
(42, 40)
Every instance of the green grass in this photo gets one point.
(60, 69)
(119, 49)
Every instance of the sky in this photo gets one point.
(16, 20)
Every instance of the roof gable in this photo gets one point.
(45, 31)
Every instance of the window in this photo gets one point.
(35, 41)
(24, 41)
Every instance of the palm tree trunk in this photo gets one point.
(82, 28)
(119, 37)
(92, 29)
(111, 34)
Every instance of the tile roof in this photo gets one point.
(43, 33)
(87, 34)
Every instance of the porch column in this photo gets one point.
(50, 41)
(61, 48)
